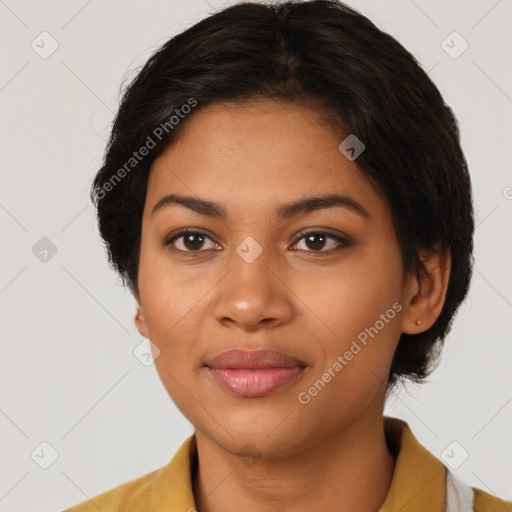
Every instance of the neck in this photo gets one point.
(351, 470)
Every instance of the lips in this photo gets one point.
(254, 373)
(253, 359)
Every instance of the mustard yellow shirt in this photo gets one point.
(419, 483)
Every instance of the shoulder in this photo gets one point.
(460, 496)
(167, 488)
(133, 495)
(485, 502)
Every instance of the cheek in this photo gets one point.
(175, 306)
(361, 307)
(158, 296)
(355, 297)
(358, 357)
(165, 294)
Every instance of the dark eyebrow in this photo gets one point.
(310, 204)
(285, 211)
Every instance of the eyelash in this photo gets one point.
(344, 241)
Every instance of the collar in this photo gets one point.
(417, 485)
(419, 479)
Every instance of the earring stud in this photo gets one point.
(418, 321)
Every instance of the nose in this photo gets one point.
(253, 295)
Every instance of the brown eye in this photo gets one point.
(316, 241)
(190, 241)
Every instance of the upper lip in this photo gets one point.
(253, 359)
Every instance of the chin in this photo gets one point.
(257, 436)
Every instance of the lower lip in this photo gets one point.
(254, 383)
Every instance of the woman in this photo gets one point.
(285, 195)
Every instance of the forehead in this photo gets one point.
(254, 152)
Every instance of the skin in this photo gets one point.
(331, 453)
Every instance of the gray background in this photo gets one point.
(68, 373)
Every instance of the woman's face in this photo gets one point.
(253, 279)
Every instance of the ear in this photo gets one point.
(140, 321)
(425, 295)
